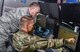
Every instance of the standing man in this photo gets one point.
(9, 22)
(34, 9)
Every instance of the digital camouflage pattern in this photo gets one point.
(9, 23)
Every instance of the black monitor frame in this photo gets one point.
(78, 43)
(70, 12)
(52, 10)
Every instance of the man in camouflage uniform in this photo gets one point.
(24, 42)
(9, 21)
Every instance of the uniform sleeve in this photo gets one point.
(55, 43)
(37, 45)
(13, 17)
(9, 22)
(22, 41)
(16, 43)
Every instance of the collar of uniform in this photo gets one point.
(28, 13)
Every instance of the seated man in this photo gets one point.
(24, 42)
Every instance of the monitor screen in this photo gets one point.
(50, 9)
(70, 12)
(67, 32)
(53, 10)
(44, 8)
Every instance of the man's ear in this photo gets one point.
(31, 32)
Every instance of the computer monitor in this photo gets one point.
(1, 6)
(53, 10)
(44, 8)
(50, 9)
(70, 12)
(66, 32)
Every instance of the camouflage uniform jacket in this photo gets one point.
(9, 23)
(23, 41)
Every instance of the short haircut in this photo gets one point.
(34, 4)
(24, 19)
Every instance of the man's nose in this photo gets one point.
(34, 13)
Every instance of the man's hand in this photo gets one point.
(71, 40)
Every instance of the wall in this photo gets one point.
(17, 3)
